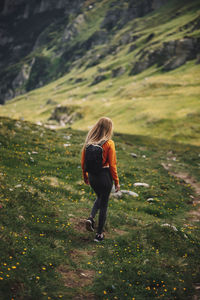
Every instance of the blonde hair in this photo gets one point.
(101, 131)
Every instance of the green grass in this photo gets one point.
(44, 247)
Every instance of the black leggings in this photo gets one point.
(102, 185)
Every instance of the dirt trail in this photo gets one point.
(194, 215)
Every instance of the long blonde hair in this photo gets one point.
(101, 131)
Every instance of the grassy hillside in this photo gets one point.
(159, 105)
(152, 103)
(46, 252)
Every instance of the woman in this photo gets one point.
(101, 183)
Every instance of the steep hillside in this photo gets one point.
(136, 61)
(151, 249)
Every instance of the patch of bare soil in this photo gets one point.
(78, 224)
(115, 232)
(53, 181)
(78, 255)
(76, 278)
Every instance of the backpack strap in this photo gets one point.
(102, 142)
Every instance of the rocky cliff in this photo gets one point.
(42, 40)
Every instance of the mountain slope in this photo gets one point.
(134, 61)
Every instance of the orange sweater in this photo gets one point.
(109, 160)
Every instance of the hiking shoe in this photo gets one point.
(89, 224)
(99, 237)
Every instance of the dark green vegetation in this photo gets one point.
(46, 252)
(87, 33)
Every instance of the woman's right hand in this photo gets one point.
(117, 188)
(86, 180)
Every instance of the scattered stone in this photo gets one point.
(144, 156)
(132, 48)
(118, 72)
(67, 137)
(120, 193)
(145, 261)
(169, 225)
(150, 200)
(50, 102)
(39, 123)
(117, 195)
(78, 80)
(101, 70)
(141, 184)
(18, 125)
(150, 36)
(67, 145)
(136, 220)
(98, 79)
(130, 193)
(134, 155)
(18, 185)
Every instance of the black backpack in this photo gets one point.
(94, 158)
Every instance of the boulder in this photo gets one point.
(133, 155)
(98, 79)
(174, 63)
(78, 80)
(23, 75)
(118, 71)
(65, 114)
(140, 66)
(149, 37)
(132, 48)
(170, 55)
(125, 39)
(111, 19)
(198, 59)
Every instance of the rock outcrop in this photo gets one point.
(169, 56)
(65, 114)
(42, 40)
